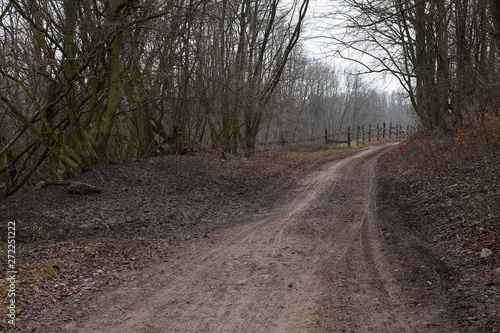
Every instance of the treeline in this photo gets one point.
(444, 53)
(84, 82)
(315, 96)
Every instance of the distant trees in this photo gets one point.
(442, 52)
(314, 96)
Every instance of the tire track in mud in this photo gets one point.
(364, 297)
(315, 265)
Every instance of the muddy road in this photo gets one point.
(317, 263)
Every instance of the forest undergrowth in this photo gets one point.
(452, 194)
(458, 179)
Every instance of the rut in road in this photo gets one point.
(314, 265)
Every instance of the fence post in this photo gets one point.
(326, 136)
(349, 137)
(390, 130)
(282, 141)
(363, 134)
(378, 131)
(357, 137)
(370, 133)
(383, 132)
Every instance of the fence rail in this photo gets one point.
(359, 136)
(370, 132)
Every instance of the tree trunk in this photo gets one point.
(495, 14)
(140, 114)
(462, 62)
(114, 86)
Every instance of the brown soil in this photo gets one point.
(452, 195)
(204, 244)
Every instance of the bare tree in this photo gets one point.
(438, 50)
(61, 79)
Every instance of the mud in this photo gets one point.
(321, 252)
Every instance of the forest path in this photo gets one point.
(316, 264)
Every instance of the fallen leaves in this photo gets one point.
(53, 276)
(485, 253)
(452, 188)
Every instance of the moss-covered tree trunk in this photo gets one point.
(80, 139)
(108, 120)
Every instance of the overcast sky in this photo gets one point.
(322, 23)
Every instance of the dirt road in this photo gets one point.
(315, 264)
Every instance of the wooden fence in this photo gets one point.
(359, 136)
(369, 133)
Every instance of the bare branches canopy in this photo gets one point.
(442, 52)
(84, 82)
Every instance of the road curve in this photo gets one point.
(316, 264)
